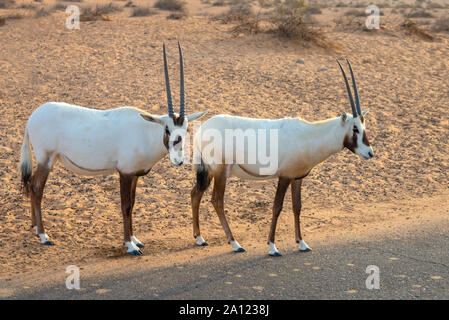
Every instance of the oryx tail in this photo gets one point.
(26, 163)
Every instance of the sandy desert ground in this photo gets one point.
(403, 79)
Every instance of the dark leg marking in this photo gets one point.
(217, 201)
(38, 181)
(127, 199)
(296, 201)
(283, 184)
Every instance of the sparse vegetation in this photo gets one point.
(177, 15)
(341, 5)
(290, 20)
(442, 25)
(98, 12)
(5, 4)
(355, 13)
(237, 13)
(108, 8)
(171, 5)
(412, 28)
(130, 4)
(142, 12)
(13, 16)
(27, 6)
(59, 7)
(432, 5)
(219, 3)
(313, 10)
(420, 14)
(41, 12)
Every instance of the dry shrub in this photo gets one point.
(130, 4)
(5, 4)
(290, 19)
(240, 13)
(250, 25)
(313, 10)
(59, 7)
(41, 12)
(355, 13)
(341, 5)
(431, 5)
(142, 12)
(13, 16)
(98, 13)
(27, 6)
(177, 15)
(420, 14)
(441, 24)
(108, 8)
(412, 28)
(171, 5)
(219, 3)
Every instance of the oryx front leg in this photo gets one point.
(283, 184)
(217, 201)
(38, 181)
(296, 200)
(127, 199)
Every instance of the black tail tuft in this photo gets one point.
(202, 177)
(26, 178)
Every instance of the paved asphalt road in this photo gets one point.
(414, 265)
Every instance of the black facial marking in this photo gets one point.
(365, 139)
(178, 140)
(166, 137)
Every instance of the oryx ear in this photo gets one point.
(344, 116)
(195, 116)
(365, 112)
(151, 118)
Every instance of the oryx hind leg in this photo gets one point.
(38, 180)
(203, 180)
(217, 201)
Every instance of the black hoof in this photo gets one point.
(305, 250)
(140, 245)
(135, 253)
(204, 244)
(276, 254)
(240, 250)
(48, 243)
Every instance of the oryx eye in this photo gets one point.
(355, 130)
(167, 131)
(178, 140)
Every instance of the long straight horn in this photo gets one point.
(167, 85)
(356, 92)
(351, 100)
(182, 93)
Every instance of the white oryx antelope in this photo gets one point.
(98, 142)
(301, 145)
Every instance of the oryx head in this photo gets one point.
(355, 139)
(175, 125)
